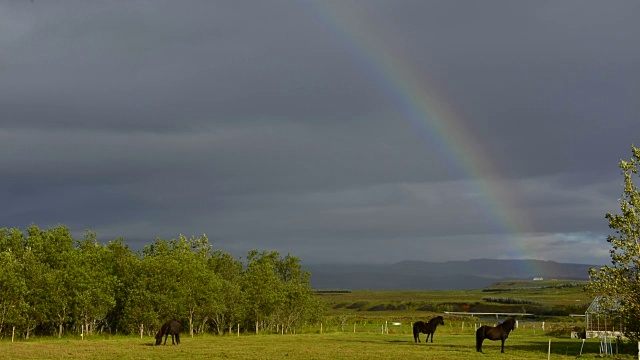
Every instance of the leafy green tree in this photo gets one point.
(38, 280)
(620, 282)
(123, 265)
(48, 281)
(12, 240)
(197, 285)
(13, 286)
(262, 287)
(60, 305)
(13, 289)
(228, 304)
(153, 302)
(53, 249)
(139, 311)
(94, 286)
(299, 302)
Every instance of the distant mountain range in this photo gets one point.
(422, 275)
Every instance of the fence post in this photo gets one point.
(549, 351)
(141, 330)
(13, 333)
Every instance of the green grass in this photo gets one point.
(547, 294)
(337, 339)
(447, 345)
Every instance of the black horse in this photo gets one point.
(500, 332)
(172, 328)
(426, 328)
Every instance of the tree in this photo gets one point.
(49, 282)
(157, 296)
(227, 306)
(13, 288)
(53, 249)
(262, 287)
(94, 286)
(299, 302)
(197, 285)
(139, 308)
(38, 280)
(124, 266)
(620, 282)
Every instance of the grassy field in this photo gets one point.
(550, 292)
(365, 332)
(337, 345)
(541, 297)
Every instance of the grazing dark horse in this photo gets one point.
(500, 332)
(172, 328)
(426, 328)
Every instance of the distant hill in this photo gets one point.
(422, 275)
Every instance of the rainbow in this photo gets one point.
(431, 114)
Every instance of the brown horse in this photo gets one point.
(172, 328)
(426, 328)
(500, 332)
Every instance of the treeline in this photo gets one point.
(559, 286)
(503, 300)
(51, 284)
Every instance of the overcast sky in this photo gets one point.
(337, 131)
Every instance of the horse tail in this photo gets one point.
(479, 338)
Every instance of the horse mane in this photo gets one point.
(508, 324)
(436, 319)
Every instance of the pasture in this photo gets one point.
(556, 294)
(552, 300)
(447, 345)
(380, 327)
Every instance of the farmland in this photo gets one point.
(449, 343)
(546, 299)
(364, 325)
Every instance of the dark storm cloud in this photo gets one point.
(258, 124)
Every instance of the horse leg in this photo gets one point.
(431, 337)
(165, 338)
(172, 339)
(178, 339)
(502, 351)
